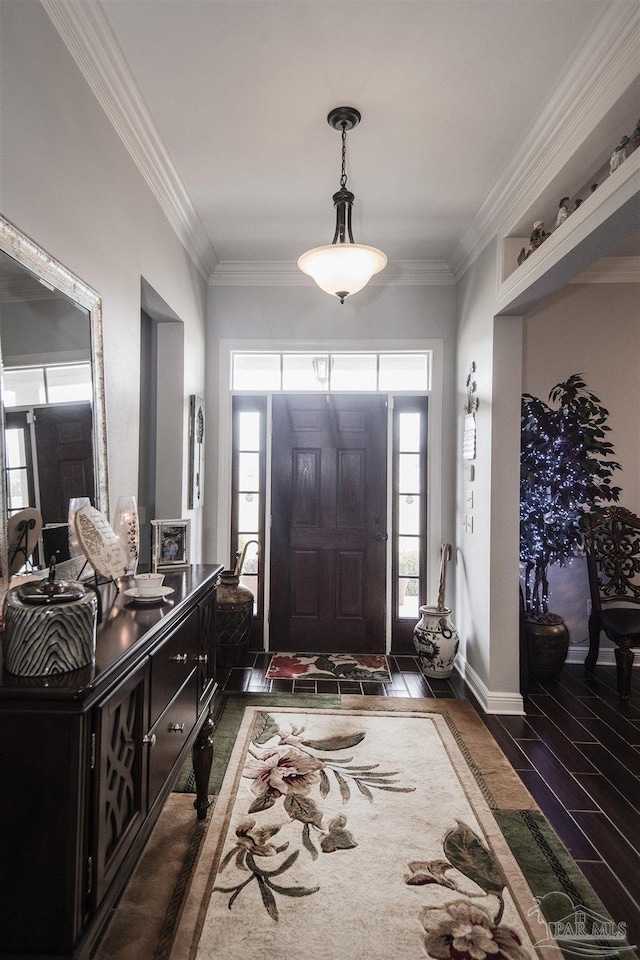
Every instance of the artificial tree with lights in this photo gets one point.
(565, 472)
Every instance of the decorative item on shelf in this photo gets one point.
(635, 137)
(23, 530)
(170, 544)
(538, 236)
(470, 407)
(50, 627)
(563, 211)
(75, 550)
(196, 452)
(565, 471)
(620, 154)
(99, 543)
(435, 637)
(234, 613)
(126, 527)
(343, 267)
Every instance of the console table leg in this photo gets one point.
(202, 760)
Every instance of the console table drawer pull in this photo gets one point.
(202, 658)
(151, 740)
(176, 728)
(180, 658)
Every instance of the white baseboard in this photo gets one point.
(578, 652)
(491, 701)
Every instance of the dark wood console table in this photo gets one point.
(88, 758)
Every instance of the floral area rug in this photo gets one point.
(346, 833)
(457, 819)
(329, 666)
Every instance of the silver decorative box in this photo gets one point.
(50, 627)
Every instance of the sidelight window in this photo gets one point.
(247, 516)
(409, 507)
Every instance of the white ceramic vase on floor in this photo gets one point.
(436, 641)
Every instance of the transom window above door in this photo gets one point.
(343, 372)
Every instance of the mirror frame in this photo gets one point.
(27, 253)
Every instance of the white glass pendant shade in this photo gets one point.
(342, 268)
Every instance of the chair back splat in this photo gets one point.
(612, 543)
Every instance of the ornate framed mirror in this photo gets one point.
(51, 353)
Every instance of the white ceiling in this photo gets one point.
(236, 94)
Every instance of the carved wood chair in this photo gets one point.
(612, 542)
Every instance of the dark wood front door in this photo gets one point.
(328, 530)
(65, 457)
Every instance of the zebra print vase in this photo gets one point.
(43, 640)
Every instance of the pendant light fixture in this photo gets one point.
(342, 267)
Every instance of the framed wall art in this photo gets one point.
(170, 544)
(196, 451)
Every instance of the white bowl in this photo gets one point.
(149, 584)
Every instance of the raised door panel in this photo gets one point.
(121, 776)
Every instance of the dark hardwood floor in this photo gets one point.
(577, 749)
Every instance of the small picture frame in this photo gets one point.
(170, 544)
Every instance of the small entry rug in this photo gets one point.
(329, 666)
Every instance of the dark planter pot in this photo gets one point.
(547, 646)
(234, 615)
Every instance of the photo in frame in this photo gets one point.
(196, 451)
(170, 543)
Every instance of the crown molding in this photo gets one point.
(285, 273)
(85, 30)
(600, 73)
(612, 270)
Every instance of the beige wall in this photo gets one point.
(592, 329)
(67, 181)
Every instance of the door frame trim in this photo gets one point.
(434, 474)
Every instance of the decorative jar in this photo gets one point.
(50, 627)
(234, 614)
(436, 641)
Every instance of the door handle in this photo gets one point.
(381, 537)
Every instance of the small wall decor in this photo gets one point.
(170, 542)
(196, 452)
(470, 407)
